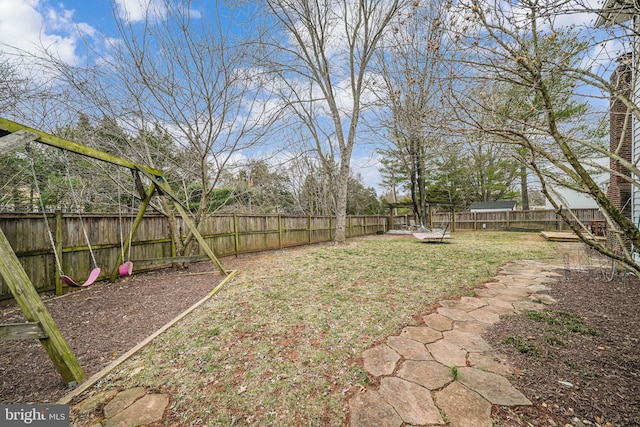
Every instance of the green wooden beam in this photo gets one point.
(22, 331)
(35, 311)
(155, 175)
(12, 141)
(165, 188)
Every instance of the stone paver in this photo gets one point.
(408, 348)
(527, 305)
(500, 306)
(450, 303)
(468, 341)
(438, 322)
(493, 387)
(146, 410)
(89, 404)
(429, 374)
(455, 314)
(421, 334)
(538, 288)
(463, 407)
(491, 361)
(413, 403)
(369, 409)
(497, 302)
(473, 302)
(485, 293)
(496, 285)
(448, 353)
(123, 400)
(380, 360)
(485, 315)
(474, 326)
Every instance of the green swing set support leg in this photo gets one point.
(134, 228)
(35, 311)
(163, 186)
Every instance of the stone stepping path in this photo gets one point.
(444, 373)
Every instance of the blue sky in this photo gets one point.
(60, 25)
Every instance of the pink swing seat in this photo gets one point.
(92, 278)
(126, 269)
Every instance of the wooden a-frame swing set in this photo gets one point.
(40, 325)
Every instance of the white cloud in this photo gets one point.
(138, 10)
(32, 26)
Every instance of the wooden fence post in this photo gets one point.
(330, 229)
(58, 250)
(280, 231)
(174, 250)
(390, 218)
(236, 241)
(310, 231)
(430, 217)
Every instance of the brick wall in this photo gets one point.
(620, 138)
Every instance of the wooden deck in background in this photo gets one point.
(557, 236)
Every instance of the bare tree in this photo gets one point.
(177, 74)
(559, 76)
(325, 57)
(414, 79)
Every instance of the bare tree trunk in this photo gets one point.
(524, 188)
(330, 42)
(341, 204)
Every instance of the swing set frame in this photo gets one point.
(39, 324)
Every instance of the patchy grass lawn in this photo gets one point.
(280, 345)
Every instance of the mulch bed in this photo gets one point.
(579, 361)
(99, 323)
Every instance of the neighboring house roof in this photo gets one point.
(616, 12)
(500, 205)
(572, 199)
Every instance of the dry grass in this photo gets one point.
(281, 344)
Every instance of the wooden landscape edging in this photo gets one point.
(99, 375)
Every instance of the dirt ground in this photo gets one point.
(99, 323)
(578, 361)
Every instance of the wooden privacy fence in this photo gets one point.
(229, 234)
(535, 220)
